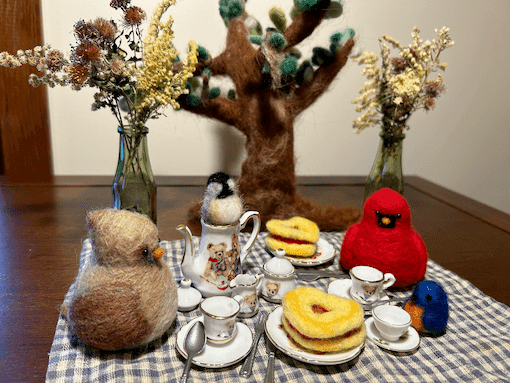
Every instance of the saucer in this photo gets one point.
(218, 355)
(362, 302)
(278, 336)
(325, 253)
(342, 288)
(410, 341)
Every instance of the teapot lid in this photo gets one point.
(279, 265)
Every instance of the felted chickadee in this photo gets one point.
(222, 204)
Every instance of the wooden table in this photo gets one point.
(42, 228)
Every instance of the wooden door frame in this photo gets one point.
(24, 116)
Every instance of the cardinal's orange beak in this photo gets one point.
(159, 252)
(386, 221)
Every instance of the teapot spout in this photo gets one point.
(187, 259)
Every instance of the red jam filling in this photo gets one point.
(346, 335)
(319, 309)
(291, 240)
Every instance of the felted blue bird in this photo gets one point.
(428, 307)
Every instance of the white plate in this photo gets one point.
(275, 332)
(408, 342)
(342, 288)
(325, 253)
(218, 355)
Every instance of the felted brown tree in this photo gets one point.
(271, 91)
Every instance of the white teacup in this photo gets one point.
(368, 283)
(220, 313)
(391, 321)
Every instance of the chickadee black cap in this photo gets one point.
(221, 178)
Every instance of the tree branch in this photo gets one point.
(305, 23)
(219, 108)
(239, 59)
(308, 93)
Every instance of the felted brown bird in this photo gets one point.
(125, 296)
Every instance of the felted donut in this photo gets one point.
(298, 236)
(322, 322)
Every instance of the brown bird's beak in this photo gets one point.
(159, 252)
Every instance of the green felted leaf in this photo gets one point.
(278, 18)
(289, 66)
(305, 5)
(336, 38)
(277, 41)
(322, 56)
(230, 9)
(304, 72)
(193, 82)
(214, 92)
(255, 39)
(202, 53)
(334, 10)
(192, 100)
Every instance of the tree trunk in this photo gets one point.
(265, 114)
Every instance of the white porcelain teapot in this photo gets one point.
(219, 258)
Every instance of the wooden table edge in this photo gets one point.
(479, 210)
(465, 204)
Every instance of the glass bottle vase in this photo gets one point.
(386, 170)
(134, 187)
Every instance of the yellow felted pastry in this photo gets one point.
(322, 322)
(298, 236)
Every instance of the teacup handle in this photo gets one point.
(255, 232)
(389, 280)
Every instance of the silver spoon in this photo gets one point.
(193, 344)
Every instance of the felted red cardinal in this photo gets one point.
(385, 239)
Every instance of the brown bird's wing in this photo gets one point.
(109, 317)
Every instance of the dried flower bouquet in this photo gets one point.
(403, 84)
(132, 74)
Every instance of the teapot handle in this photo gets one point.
(255, 232)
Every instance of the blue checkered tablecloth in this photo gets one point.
(475, 348)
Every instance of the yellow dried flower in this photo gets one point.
(405, 84)
(157, 79)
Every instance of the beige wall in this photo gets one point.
(462, 144)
